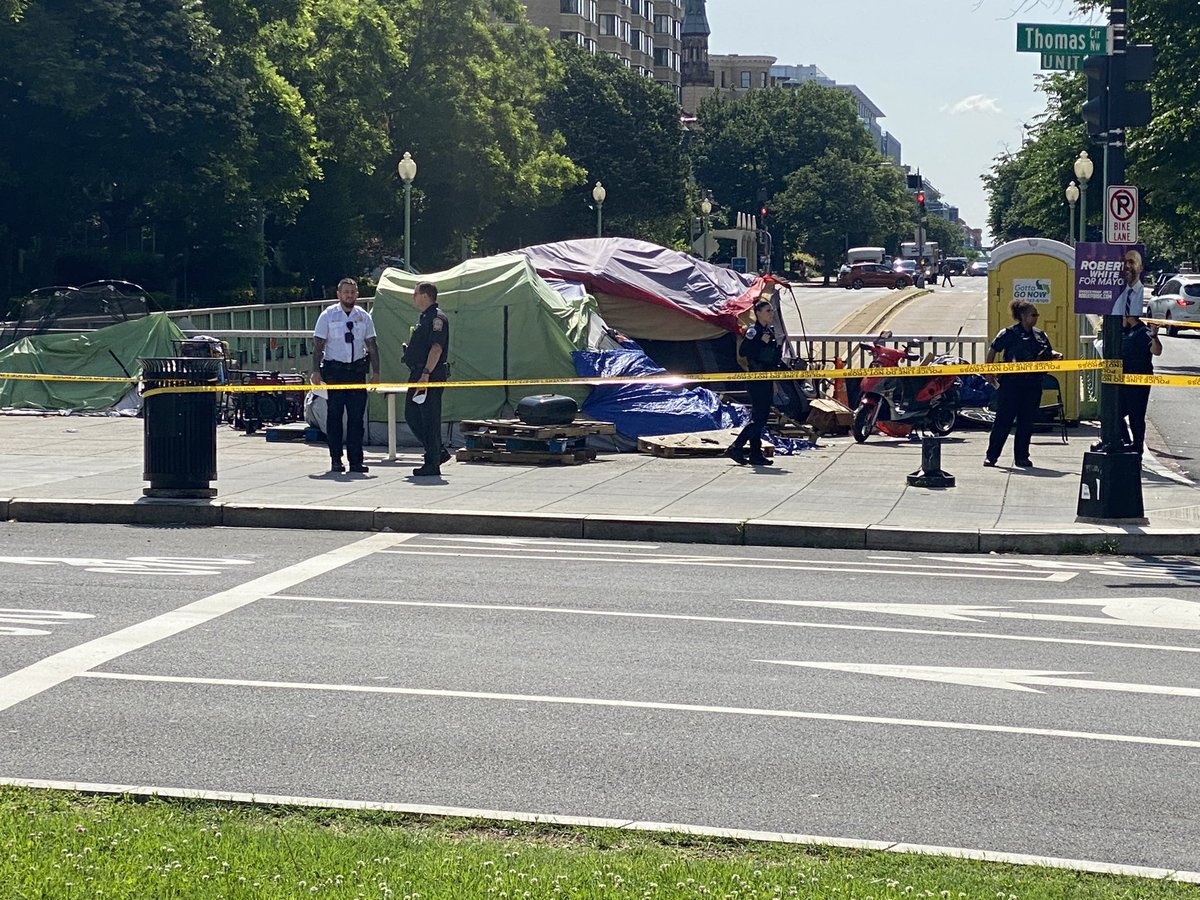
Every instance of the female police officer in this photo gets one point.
(763, 354)
(1020, 394)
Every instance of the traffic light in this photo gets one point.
(914, 182)
(921, 201)
(1130, 108)
(1095, 108)
(763, 212)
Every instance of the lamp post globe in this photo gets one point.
(407, 169)
(1072, 194)
(1083, 172)
(598, 194)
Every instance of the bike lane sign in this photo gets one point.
(1121, 215)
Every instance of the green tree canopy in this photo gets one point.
(621, 129)
(1026, 186)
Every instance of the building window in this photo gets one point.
(573, 37)
(662, 57)
(608, 24)
(662, 25)
(722, 78)
(571, 7)
(764, 80)
(745, 80)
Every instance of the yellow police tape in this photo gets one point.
(1171, 323)
(1111, 372)
(1060, 365)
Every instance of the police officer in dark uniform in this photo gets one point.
(425, 356)
(763, 354)
(1020, 394)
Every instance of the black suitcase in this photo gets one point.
(547, 409)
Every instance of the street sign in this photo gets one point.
(1070, 40)
(1121, 215)
(1062, 62)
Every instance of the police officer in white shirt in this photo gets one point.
(344, 347)
(1129, 301)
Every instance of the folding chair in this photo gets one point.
(1056, 411)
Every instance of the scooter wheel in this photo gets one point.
(864, 420)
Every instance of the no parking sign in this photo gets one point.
(1121, 215)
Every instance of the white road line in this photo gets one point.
(649, 704)
(724, 620)
(53, 670)
(708, 562)
(740, 834)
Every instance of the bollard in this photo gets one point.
(179, 431)
(930, 474)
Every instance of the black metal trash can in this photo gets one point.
(179, 447)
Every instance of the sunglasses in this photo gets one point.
(349, 332)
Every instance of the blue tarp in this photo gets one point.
(649, 409)
(652, 409)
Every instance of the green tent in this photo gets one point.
(505, 322)
(83, 353)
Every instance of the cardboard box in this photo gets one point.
(828, 416)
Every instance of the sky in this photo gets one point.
(946, 73)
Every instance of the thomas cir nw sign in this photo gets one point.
(1076, 40)
(1121, 215)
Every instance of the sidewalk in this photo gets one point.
(841, 495)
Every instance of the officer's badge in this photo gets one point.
(438, 324)
(751, 332)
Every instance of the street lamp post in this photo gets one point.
(598, 194)
(408, 171)
(705, 212)
(1072, 193)
(1083, 171)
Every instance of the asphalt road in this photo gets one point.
(1017, 704)
(1173, 411)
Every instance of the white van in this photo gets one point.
(865, 254)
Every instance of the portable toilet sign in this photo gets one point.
(1042, 272)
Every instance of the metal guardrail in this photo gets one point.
(825, 348)
(269, 336)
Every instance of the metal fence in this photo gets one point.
(274, 337)
(824, 349)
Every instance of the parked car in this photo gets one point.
(979, 267)
(863, 275)
(1178, 300)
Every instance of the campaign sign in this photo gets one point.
(1099, 275)
(1031, 290)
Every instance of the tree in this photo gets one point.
(745, 150)
(117, 117)
(619, 128)
(834, 203)
(1026, 186)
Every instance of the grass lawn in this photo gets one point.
(61, 846)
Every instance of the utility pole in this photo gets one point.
(1109, 110)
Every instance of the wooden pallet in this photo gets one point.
(571, 458)
(692, 444)
(518, 429)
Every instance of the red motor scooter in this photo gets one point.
(927, 404)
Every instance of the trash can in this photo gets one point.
(179, 430)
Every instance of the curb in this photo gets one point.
(1111, 539)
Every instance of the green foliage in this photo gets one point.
(618, 128)
(834, 203)
(747, 148)
(1026, 186)
(808, 154)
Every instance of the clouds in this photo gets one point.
(976, 103)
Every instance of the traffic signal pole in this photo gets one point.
(1119, 467)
